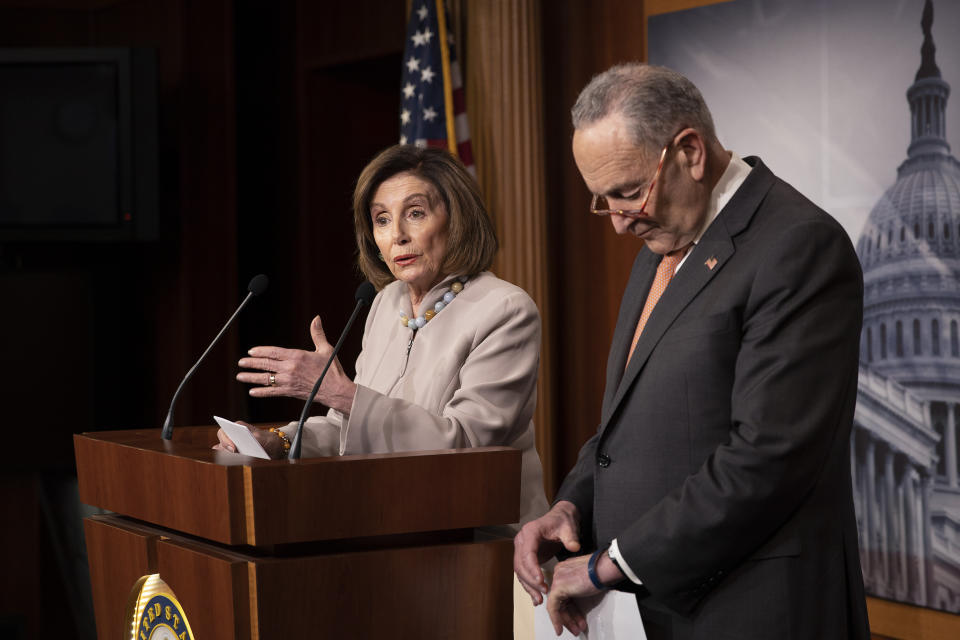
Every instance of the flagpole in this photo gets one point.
(447, 80)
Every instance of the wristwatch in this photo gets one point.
(592, 570)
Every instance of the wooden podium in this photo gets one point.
(373, 546)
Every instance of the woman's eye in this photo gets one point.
(417, 213)
(381, 221)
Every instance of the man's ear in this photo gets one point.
(693, 153)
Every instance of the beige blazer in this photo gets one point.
(467, 379)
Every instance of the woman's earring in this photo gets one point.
(380, 255)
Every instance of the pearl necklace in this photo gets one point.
(420, 321)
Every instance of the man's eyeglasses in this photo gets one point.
(599, 206)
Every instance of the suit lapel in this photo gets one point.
(704, 262)
(634, 297)
(692, 277)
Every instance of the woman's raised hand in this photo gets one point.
(293, 372)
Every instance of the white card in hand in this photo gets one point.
(241, 436)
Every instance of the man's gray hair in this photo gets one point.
(655, 101)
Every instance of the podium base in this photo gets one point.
(448, 585)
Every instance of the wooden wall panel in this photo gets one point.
(504, 85)
(107, 330)
(349, 114)
(154, 305)
(39, 299)
(188, 283)
(344, 32)
(589, 264)
(207, 286)
(268, 142)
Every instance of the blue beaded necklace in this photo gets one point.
(421, 320)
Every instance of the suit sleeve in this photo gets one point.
(794, 383)
(492, 404)
(577, 488)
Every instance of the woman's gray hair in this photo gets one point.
(655, 101)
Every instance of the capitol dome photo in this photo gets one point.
(905, 446)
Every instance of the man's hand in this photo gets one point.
(571, 581)
(540, 540)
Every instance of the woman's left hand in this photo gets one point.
(293, 372)
(272, 444)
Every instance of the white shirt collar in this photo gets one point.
(733, 176)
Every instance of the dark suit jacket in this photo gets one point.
(721, 464)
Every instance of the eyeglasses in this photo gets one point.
(599, 206)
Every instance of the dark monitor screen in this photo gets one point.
(58, 160)
(77, 145)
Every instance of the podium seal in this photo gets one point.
(153, 612)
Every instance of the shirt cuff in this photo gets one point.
(614, 552)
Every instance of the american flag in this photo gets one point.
(433, 110)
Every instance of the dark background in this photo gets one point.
(267, 112)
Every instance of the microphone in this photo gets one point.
(364, 296)
(257, 286)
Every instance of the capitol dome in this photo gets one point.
(910, 252)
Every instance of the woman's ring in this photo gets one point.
(272, 380)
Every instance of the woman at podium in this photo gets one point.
(450, 351)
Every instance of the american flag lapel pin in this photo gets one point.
(711, 263)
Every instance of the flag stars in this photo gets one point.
(424, 114)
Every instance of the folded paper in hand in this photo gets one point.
(243, 438)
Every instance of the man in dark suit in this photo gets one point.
(717, 487)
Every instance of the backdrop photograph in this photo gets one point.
(850, 102)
